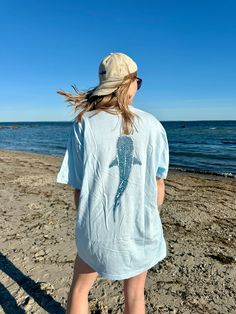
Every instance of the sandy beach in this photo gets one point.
(38, 247)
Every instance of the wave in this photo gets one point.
(204, 155)
(224, 174)
(229, 142)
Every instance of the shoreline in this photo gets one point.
(38, 246)
(171, 169)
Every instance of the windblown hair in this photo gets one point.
(114, 103)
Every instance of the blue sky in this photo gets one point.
(185, 51)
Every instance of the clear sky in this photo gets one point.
(185, 51)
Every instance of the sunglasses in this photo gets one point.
(139, 82)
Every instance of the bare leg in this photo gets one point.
(134, 294)
(83, 279)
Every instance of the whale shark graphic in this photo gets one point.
(124, 160)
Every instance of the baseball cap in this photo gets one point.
(112, 70)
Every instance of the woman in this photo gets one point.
(117, 158)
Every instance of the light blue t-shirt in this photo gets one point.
(118, 228)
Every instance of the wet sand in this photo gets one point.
(38, 247)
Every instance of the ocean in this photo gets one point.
(195, 146)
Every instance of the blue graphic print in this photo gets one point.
(124, 160)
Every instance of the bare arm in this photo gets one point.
(76, 197)
(160, 191)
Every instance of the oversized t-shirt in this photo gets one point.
(118, 229)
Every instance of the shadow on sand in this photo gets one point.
(32, 288)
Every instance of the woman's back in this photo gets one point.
(118, 228)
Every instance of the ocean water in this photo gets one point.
(195, 146)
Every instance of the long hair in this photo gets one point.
(114, 103)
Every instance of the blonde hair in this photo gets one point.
(114, 103)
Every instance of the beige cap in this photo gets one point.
(112, 70)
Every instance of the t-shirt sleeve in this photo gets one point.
(163, 156)
(71, 171)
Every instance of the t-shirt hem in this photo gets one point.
(127, 275)
(65, 181)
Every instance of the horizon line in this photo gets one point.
(158, 119)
